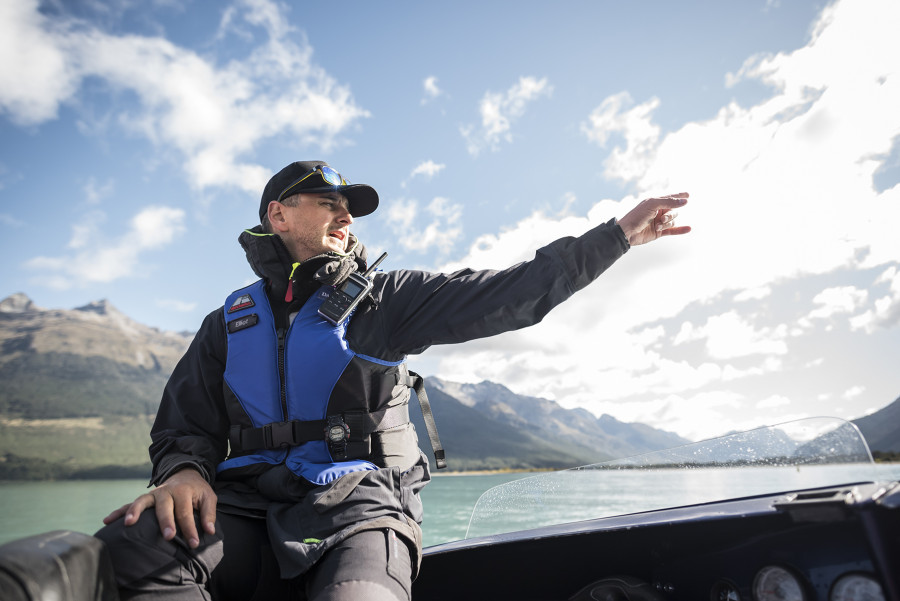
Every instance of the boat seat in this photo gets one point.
(61, 565)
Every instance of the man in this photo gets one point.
(284, 461)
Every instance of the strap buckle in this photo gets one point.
(337, 433)
(279, 434)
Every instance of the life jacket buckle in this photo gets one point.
(279, 435)
(337, 434)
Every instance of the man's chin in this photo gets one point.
(335, 245)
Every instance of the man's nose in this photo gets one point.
(344, 216)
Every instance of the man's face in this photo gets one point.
(317, 224)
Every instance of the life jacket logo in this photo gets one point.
(242, 323)
(244, 301)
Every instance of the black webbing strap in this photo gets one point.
(417, 383)
(278, 435)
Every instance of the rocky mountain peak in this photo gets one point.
(105, 311)
(100, 307)
(17, 303)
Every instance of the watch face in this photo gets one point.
(336, 433)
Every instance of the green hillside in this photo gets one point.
(48, 449)
(79, 390)
(57, 385)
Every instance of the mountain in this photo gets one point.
(478, 421)
(882, 428)
(80, 389)
(91, 361)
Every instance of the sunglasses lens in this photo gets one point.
(331, 176)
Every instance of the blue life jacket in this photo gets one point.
(304, 398)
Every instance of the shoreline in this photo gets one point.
(493, 472)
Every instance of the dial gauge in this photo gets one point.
(724, 591)
(856, 587)
(775, 583)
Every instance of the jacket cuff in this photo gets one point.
(619, 232)
(165, 469)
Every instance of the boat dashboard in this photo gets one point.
(830, 544)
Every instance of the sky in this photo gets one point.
(136, 138)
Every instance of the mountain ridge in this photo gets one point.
(81, 388)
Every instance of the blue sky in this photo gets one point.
(135, 139)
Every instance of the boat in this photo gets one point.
(790, 512)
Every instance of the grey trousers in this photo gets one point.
(237, 564)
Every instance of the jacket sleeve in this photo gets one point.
(421, 309)
(191, 427)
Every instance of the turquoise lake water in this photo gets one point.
(34, 507)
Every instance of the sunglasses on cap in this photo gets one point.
(329, 175)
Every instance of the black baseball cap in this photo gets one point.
(314, 176)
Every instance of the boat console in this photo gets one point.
(830, 544)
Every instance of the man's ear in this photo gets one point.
(277, 217)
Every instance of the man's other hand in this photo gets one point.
(175, 500)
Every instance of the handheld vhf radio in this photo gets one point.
(348, 295)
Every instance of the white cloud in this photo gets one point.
(98, 260)
(566, 202)
(753, 294)
(773, 401)
(94, 191)
(634, 124)
(779, 189)
(87, 230)
(886, 313)
(431, 89)
(402, 212)
(694, 416)
(519, 242)
(842, 299)
(427, 169)
(784, 187)
(499, 110)
(853, 392)
(440, 233)
(212, 114)
(156, 226)
(729, 335)
(36, 73)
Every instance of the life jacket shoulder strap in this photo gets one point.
(417, 383)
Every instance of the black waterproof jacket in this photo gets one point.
(409, 311)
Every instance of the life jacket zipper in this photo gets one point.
(282, 334)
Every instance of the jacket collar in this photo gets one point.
(270, 260)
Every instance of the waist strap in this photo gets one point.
(279, 435)
(358, 427)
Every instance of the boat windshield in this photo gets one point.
(796, 455)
